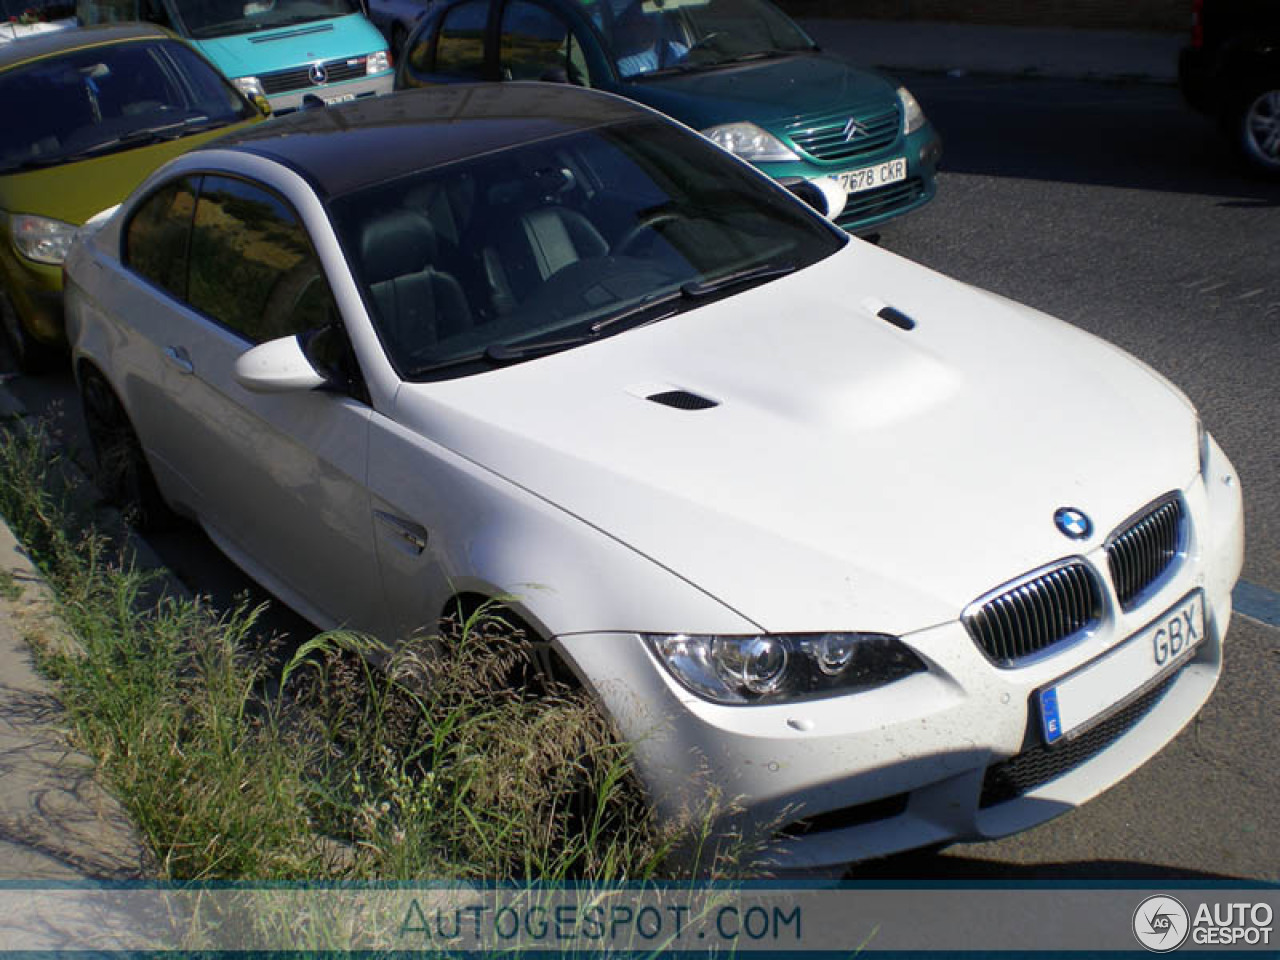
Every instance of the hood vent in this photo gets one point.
(682, 400)
(897, 318)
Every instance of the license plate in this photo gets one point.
(1095, 691)
(340, 98)
(868, 178)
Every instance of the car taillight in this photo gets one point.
(1197, 23)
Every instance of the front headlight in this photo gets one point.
(379, 62)
(250, 86)
(912, 114)
(777, 668)
(41, 239)
(749, 142)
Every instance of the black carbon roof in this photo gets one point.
(347, 146)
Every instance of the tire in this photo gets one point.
(1258, 129)
(123, 475)
(31, 356)
(538, 669)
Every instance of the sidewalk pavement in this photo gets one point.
(1009, 51)
(56, 822)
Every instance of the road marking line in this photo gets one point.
(1257, 603)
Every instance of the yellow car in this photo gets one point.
(89, 114)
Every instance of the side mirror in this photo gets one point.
(278, 366)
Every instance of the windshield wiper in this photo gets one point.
(755, 55)
(147, 135)
(698, 290)
(768, 271)
(501, 354)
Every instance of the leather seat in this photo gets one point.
(417, 305)
(544, 240)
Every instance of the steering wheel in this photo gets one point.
(646, 223)
(703, 41)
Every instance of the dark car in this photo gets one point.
(851, 141)
(1231, 71)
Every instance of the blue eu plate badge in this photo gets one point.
(1050, 720)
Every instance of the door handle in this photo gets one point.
(179, 359)
(413, 535)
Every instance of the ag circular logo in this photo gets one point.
(1073, 523)
(1161, 923)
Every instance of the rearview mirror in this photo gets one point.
(278, 366)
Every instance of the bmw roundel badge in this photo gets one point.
(1073, 523)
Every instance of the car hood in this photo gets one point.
(766, 92)
(853, 475)
(249, 54)
(73, 192)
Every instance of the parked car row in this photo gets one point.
(752, 482)
(850, 142)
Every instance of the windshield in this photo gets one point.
(109, 98)
(224, 18)
(653, 36)
(541, 247)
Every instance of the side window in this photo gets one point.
(538, 45)
(155, 244)
(252, 266)
(460, 47)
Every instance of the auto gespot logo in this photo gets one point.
(1162, 924)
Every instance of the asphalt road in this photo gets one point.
(1119, 210)
(1115, 208)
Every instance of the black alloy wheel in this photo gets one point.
(123, 475)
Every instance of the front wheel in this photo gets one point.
(1258, 129)
(31, 356)
(123, 476)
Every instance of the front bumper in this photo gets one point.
(34, 293)
(1199, 80)
(864, 211)
(833, 781)
(334, 92)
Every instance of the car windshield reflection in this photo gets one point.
(108, 98)
(649, 38)
(563, 241)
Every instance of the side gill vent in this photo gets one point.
(682, 400)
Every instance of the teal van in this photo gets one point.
(282, 50)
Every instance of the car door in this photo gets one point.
(279, 479)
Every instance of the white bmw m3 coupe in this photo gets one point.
(889, 560)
